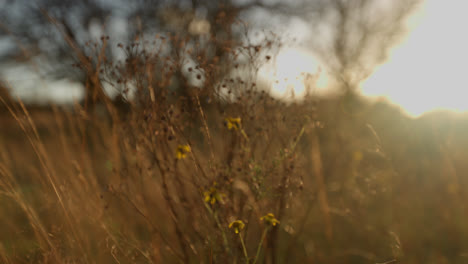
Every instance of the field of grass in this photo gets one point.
(348, 182)
(224, 173)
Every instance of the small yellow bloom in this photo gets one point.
(213, 196)
(182, 151)
(237, 225)
(270, 219)
(233, 123)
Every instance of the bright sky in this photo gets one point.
(287, 77)
(426, 72)
(429, 70)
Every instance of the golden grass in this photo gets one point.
(163, 177)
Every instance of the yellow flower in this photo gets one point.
(237, 225)
(213, 196)
(270, 219)
(182, 151)
(233, 123)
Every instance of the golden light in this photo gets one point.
(427, 71)
(289, 72)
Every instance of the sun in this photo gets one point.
(288, 74)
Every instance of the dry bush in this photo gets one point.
(165, 171)
(158, 175)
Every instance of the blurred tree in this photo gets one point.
(351, 37)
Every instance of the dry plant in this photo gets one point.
(194, 162)
(203, 174)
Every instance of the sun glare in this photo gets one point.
(289, 74)
(427, 71)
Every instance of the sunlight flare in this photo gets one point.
(290, 72)
(427, 71)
